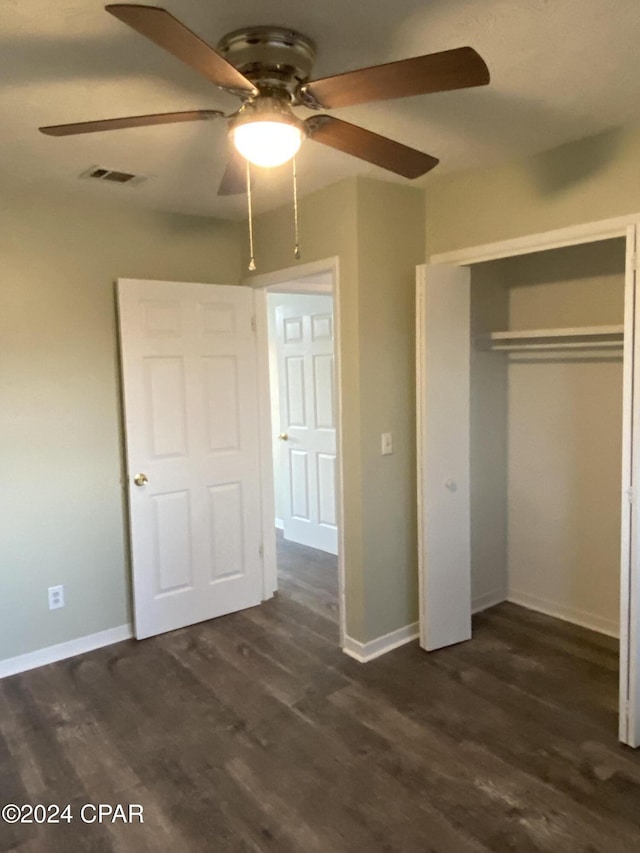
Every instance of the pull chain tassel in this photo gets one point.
(296, 250)
(252, 263)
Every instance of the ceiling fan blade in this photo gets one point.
(163, 29)
(131, 121)
(369, 146)
(459, 68)
(234, 180)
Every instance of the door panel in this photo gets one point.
(295, 394)
(327, 489)
(191, 412)
(304, 342)
(323, 391)
(171, 534)
(443, 349)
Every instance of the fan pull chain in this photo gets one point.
(252, 263)
(296, 250)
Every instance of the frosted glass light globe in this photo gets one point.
(267, 143)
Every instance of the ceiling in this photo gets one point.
(561, 70)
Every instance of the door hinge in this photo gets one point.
(253, 323)
(261, 551)
(634, 261)
(630, 495)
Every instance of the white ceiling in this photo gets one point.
(561, 70)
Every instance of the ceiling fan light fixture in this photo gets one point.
(267, 143)
(267, 133)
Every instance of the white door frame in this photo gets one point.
(289, 281)
(629, 228)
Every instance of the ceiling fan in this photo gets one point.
(269, 69)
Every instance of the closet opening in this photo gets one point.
(546, 383)
(546, 398)
(526, 421)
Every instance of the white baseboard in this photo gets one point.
(364, 652)
(569, 614)
(279, 524)
(488, 599)
(51, 654)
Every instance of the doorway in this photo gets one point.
(298, 326)
(301, 377)
(194, 357)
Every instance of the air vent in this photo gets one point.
(99, 173)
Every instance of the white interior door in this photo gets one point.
(443, 368)
(191, 417)
(304, 340)
(629, 729)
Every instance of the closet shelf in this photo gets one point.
(575, 337)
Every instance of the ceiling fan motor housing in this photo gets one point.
(276, 60)
(270, 105)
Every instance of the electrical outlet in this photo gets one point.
(56, 597)
(387, 444)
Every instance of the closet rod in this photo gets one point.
(556, 346)
(597, 332)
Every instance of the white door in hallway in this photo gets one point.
(191, 418)
(305, 355)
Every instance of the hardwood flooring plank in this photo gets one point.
(37, 723)
(325, 606)
(567, 636)
(174, 759)
(308, 620)
(548, 674)
(13, 791)
(254, 733)
(103, 770)
(341, 809)
(322, 650)
(505, 809)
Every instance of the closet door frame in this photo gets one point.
(629, 228)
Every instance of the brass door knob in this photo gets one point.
(283, 436)
(140, 479)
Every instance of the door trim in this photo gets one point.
(291, 280)
(572, 235)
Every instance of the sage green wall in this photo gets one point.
(377, 231)
(390, 246)
(62, 509)
(594, 178)
(61, 506)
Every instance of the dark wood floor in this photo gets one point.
(255, 733)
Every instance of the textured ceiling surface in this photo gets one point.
(561, 70)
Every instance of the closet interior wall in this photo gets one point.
(546, 431)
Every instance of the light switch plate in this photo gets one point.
(387, 444)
